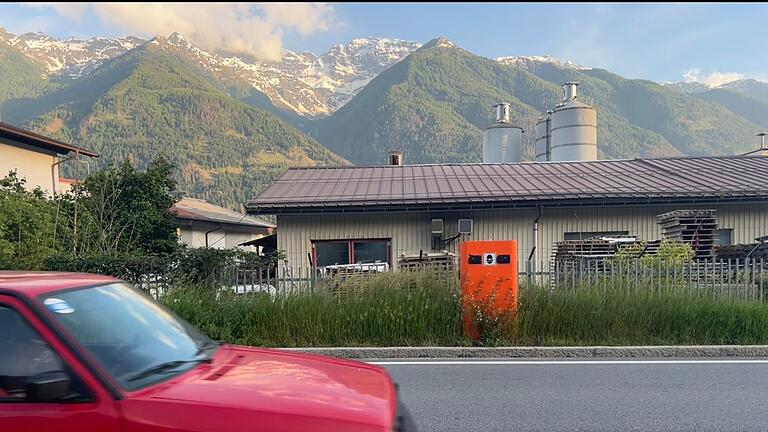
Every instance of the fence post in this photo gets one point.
(751, 279)
(760, 292)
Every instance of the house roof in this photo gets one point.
(192, 209)
(29, 138)
(526, 184)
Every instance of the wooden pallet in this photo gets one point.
(445, 261)
(695, 227)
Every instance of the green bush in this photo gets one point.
(669, 253)
(124, 266)
(28, 224)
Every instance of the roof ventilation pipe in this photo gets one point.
(762, 150)
(396, 158)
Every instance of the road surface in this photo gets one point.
(585, 395)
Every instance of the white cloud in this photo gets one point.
(73, 11)
(713, 79)
(255, 29)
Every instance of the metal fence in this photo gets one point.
(734, 279)
(239, 279)
(281, 281)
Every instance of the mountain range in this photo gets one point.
(232, 123)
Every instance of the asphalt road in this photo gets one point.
(592, 395)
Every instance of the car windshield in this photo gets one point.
(138, 341)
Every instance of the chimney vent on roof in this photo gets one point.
(396, 158)
(762, 150)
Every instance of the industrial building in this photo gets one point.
(354, 214)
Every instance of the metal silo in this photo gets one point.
(573, 128)
(502, 142)
(542, 135)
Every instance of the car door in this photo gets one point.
(27, 349)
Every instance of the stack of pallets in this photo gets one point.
(695, 227)
(573, 257)
(440, 261)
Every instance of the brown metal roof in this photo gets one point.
(198, 210)
(465, 186)
(36, 140)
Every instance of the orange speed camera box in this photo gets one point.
(488, 275)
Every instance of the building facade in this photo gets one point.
(366, 214)
(202, 224)
(410, 233)
(37, 158)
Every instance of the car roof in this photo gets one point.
(33, 284)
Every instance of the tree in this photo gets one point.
(27, 225)
(123, 210)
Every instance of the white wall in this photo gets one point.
(221, 239)
(410, 232)
(32, 165)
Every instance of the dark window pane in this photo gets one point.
(723, 237)
(371, 252)
(331, 253)
(24, 354)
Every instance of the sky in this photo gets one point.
(706, 42)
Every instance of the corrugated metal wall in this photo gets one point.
(410, 232)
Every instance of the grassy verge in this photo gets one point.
(391, 310)
(619, 317)
(402, 309)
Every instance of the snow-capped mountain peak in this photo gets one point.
(178, 40)
(529, 61)
(303, 82)
(71, 57)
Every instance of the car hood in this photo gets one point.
(281, 381)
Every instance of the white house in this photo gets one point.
(203, 224)
(37, 158)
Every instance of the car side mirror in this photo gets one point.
(48, 386)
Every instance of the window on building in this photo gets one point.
(338, 252)
(331, 253)
(582, 235)
(723, 237)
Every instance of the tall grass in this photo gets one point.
(418, 309)
(395, 309)
(611, 316)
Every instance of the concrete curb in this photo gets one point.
(542, 352)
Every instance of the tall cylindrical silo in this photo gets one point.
(502, 142)
(573, 128)
(542, 136)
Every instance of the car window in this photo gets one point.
(23, 355)
(128, 333)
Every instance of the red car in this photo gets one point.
(88, 353)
